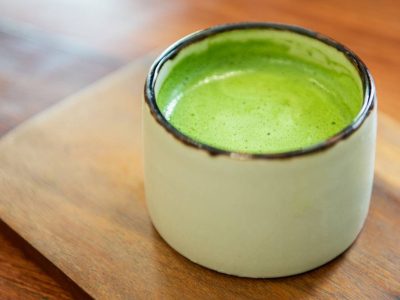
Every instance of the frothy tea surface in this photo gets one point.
(259, 91)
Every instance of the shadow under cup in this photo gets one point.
(258, 214)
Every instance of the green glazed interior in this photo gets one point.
(259, 91)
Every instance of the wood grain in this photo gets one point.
(50, 49)
(73, 182)
(18, 270)
(15, 271)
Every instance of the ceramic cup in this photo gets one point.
(258, 215)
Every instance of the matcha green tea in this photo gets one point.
(259, 91)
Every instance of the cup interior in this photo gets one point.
(224, 50)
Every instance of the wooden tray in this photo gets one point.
(71, 185)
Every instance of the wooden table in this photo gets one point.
(50, 49)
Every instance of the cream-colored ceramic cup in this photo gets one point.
(257, 215)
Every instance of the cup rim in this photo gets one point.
(366, 78)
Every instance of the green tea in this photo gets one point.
(260, 91)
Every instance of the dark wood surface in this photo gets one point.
(72, 187)
(50, 49)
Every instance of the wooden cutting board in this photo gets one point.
(71, 185)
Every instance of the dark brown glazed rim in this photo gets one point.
(172, 51)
